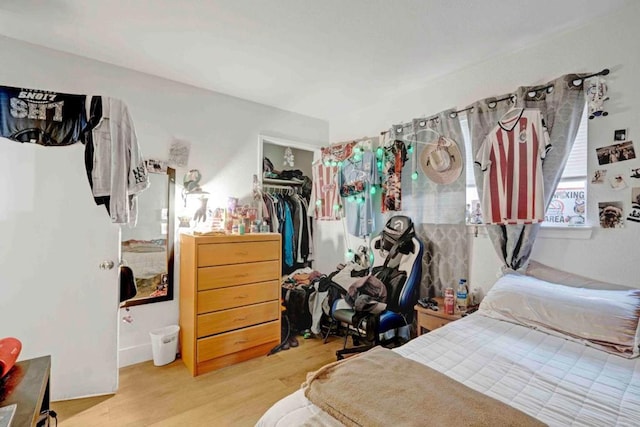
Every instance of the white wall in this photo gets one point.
(223, 132)
(611, 42)
(303, 159)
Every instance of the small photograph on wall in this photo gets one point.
(616, 153)
(599, 176)
(617, 182)
(611, 214)
(156, 166)
(635, 173)
(620, 135)
(634, 214)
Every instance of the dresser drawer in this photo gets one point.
(232, 275)
(242, 339)
(238, 296)
(235, 318)
(237, 253)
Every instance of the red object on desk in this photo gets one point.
(9, 352)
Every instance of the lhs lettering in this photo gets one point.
(37, 96)
(21, 109)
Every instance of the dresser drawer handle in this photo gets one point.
(240, 319)
(242, 275)
(242, 253)
(241, 341)
(241, 297)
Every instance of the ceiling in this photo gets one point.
(322, 58)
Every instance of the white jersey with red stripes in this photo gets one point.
(511, 158)
(325, 203)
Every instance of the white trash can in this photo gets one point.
(164, 344)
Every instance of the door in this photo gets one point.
(53, 296)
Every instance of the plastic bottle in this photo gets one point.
(448, 301)
(241, 228)
(461, 295)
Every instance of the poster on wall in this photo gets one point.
(634, 214)
(567, 207)
(611, 214)
(179, 153)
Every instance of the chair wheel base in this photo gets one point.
(341, 353)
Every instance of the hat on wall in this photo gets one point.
(442, 161)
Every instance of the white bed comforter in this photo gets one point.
(560, 382)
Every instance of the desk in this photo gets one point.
(27, 385)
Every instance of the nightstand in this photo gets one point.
(429, 319)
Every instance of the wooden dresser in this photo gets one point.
(229, 298)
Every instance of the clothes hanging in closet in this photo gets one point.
(288, 216)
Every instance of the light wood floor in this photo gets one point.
(168, 396)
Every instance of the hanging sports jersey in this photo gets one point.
(41, 117)
(393, 159)
(511, 157)
(356, 179)
(325, 195)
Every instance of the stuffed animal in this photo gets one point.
(596, 96)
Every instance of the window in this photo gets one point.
(568, 206)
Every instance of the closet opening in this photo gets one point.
(283, 191)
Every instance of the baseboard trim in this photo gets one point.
(135, 354)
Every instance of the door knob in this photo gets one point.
(106, 265)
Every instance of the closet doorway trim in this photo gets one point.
(264, 138)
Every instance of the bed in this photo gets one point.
(533, 356)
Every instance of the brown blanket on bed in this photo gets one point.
(382, 388)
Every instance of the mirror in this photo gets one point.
(147, 248)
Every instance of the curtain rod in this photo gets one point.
(531, 93)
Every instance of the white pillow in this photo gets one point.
(554, 275)
(605, 319)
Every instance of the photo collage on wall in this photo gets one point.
(619, 180)
(634, 214)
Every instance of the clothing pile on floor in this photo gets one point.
(308, 295)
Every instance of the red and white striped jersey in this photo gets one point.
(325, 203)
(511, 158)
